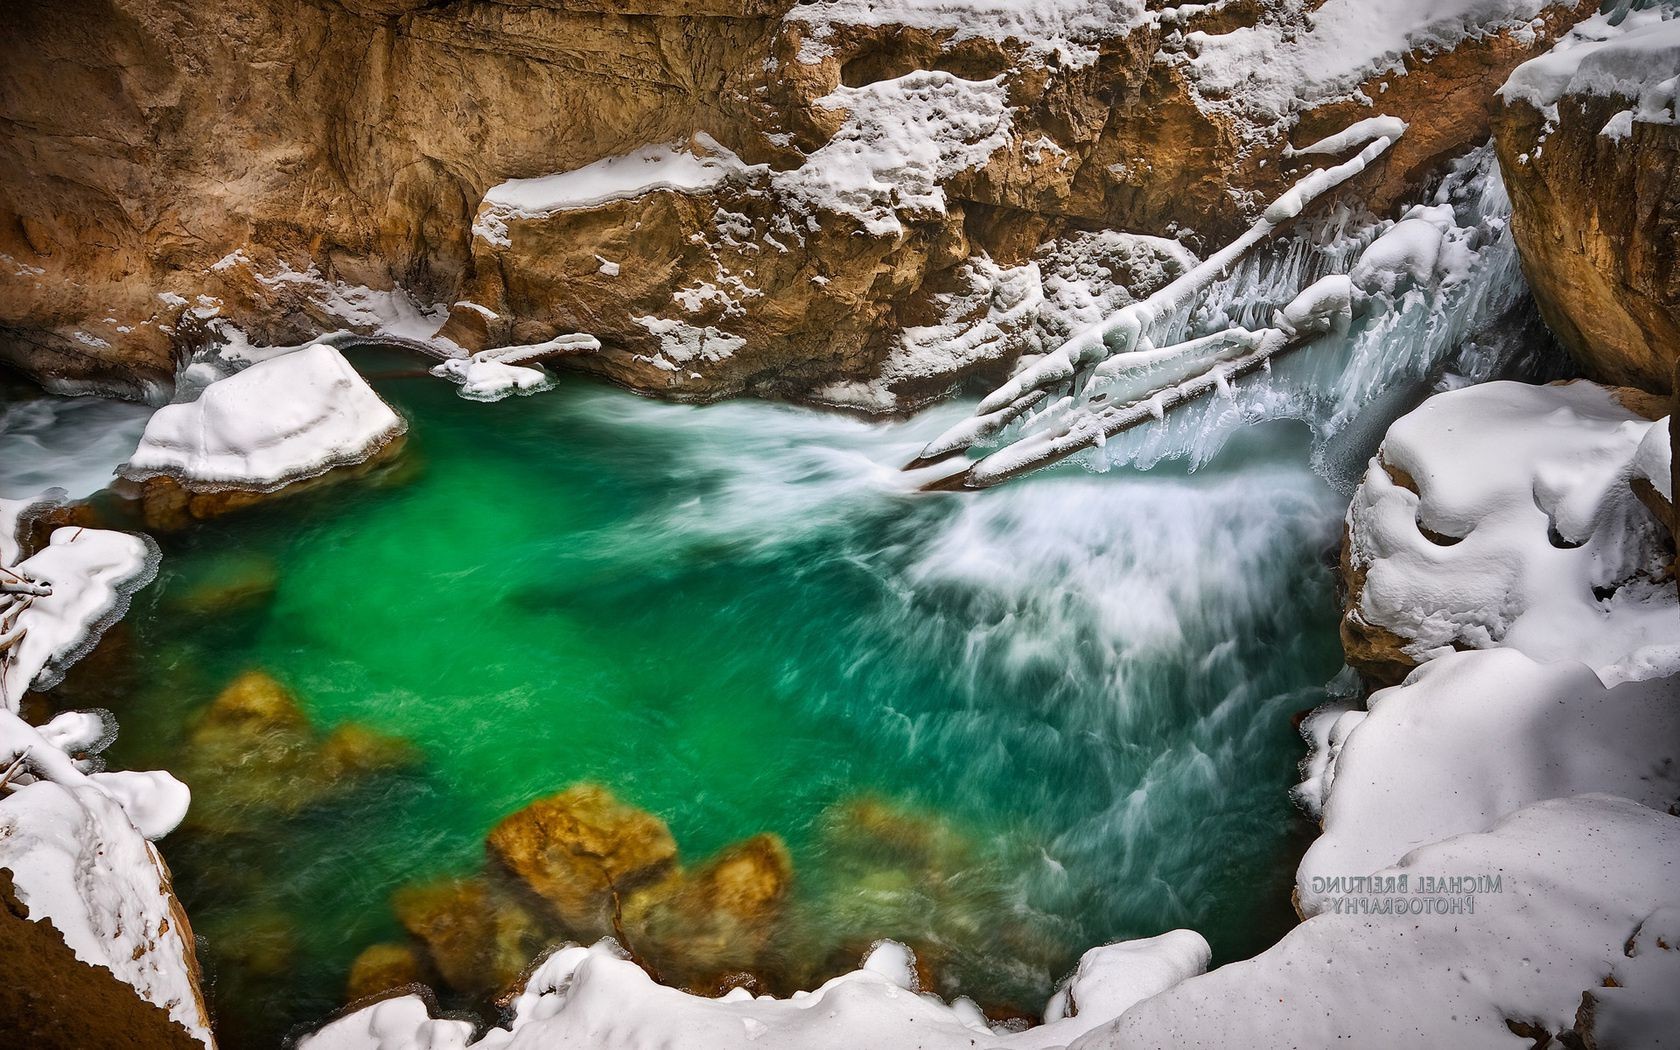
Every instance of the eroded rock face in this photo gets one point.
(875, 156)
(1595, 191)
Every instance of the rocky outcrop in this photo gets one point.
(1591, 156)
(53, 1000)
(874, 156)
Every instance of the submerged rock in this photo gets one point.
(383, 967)
(253, 754)
(479, 936)
(236, 583)
(713, 926)
(580, 851)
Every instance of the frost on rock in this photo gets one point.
(1502, 514)
(1308, 55)
(1637, 59)
(77, 861)
(1471, 738)
(1576, 879)
(577, 995)
(281, 420)
(1067, 30)
(901, 142)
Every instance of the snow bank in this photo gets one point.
(901, 141)
(682, 167)
(595, 997)
(76, 860)
(1638, 60)
(1577, 878)
(1070, 30)
(1265, 74)
(1523, 531)
(1473, 737)
(281, 420)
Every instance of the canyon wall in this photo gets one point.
(166, 164)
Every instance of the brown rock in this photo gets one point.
(1596, 221)
(254, 751)
(384, 967)
(582, 851)
(479, 937)
(355, 142)
(713, 926)
(52, 1000)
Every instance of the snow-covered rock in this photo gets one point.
(90, 575)
(1575, 879)
(77, 860)
(1502, 514)
(279, 421)
(595, 997)
(1636, 58)
(1473, 737)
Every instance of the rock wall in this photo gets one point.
(1595, 186)
(353, 144)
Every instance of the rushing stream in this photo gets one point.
(738, 618)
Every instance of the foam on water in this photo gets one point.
(71, 443)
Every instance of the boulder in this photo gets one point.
(581, 852)
(254, 750)
(478, 936)
(384, 967)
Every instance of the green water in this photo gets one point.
(737, 618)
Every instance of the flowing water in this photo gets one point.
(739, 618)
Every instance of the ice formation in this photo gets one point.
(1368, 310)
(1502, 514)
(1637, 59)
(281, 420)
(77, 860)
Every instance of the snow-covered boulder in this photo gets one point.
(279, 422)
(1503, 514)
(1473, 737)
(77, 861)
(1569, 882)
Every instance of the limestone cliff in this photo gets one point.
(165, 163)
